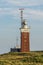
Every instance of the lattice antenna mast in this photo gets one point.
(21, 16)
(17, 42)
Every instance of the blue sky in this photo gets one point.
(10, 23)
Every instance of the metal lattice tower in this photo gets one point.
(21, 15)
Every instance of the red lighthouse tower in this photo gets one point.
(24, 30)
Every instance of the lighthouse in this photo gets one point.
(25, 34)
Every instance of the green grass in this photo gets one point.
(18, 58)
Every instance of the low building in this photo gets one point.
(14, 49)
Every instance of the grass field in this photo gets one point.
(18, 58)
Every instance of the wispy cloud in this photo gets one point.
(35, 14)
(15, 12)
(9, 11)
(25, 2)
(10, 24)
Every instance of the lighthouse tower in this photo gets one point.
(25, 35)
